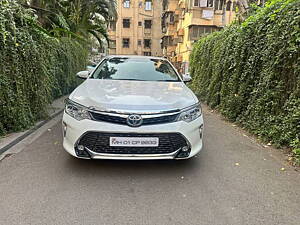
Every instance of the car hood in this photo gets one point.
(133, 96)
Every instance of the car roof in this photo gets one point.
(134, 57)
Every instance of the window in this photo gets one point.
(140, 4)
(140, 23)
(195, 32)
(165, 5)
(147, 43)
(126, 23)
(168, 41)
(219, 4)
(139, 42)
(172, 19)
(210, 3)
(125, 42)
(112, 25)
(171, 41)
(148, 4)
(148, 24)
(228, 6)
(234, 5)
(147, 53)
(126, 3)
(204, 3)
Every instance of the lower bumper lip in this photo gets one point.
(95, 155)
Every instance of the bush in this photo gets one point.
(34, 69)
(251, 73)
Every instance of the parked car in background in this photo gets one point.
(133, 107)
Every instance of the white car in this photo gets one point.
(133, 107)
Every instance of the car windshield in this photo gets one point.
(144, 69)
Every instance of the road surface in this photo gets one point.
(234, 180)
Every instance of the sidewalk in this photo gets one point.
(12, 139)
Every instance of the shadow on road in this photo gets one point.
(134, 168)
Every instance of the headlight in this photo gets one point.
(191, 113)
(76, 111)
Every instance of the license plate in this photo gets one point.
(133, 141)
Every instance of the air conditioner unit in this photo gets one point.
(180, 32)
(177, 11)
(179, 58)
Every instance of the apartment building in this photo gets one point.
(186, 21)
(137, 30)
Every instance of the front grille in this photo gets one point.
(122, 120)
(99, 142)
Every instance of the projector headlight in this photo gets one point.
(77, 111)
(191, 113)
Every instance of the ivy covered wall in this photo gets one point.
(34, 67)
(250, 72)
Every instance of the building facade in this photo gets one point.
(137, 30)
(186, 21)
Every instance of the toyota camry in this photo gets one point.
(133, 107)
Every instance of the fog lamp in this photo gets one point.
(185, 149)
(80, 148)
(81, 152)
(184, 152)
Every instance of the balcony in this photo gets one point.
(178, 40)
(203, 16)
(198, 31)
(147, 31)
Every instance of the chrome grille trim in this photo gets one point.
(147, 119)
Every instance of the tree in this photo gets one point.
(74, 18)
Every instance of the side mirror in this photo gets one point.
(90, 68)
(186, 78)
(83, 74)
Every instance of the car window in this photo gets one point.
(145, 69)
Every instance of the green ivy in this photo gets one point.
(251, 72)
(35, 68)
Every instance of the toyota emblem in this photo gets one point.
(134, 120)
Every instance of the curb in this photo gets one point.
(30, 131)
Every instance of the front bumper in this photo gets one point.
(73, 130)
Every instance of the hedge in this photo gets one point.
(35, 68)
(250, 72)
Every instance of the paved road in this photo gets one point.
(44, 185)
